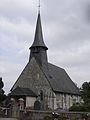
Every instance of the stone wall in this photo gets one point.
(41, 115)
(32, 77)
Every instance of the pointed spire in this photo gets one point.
(38, 40)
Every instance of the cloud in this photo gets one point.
(17, 9)
(66, 31)
(9, 73)
(15, 28)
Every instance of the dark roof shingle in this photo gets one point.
(60, 81)
(23, 92)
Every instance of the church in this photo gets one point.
(42, 82)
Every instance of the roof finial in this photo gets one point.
(39, 6)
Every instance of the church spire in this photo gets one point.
(38, 48)
(38, 39)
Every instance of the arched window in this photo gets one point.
(41, 95)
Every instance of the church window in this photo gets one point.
(41, 95)
(35, 50)
(50, 76)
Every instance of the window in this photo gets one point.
(41, 95)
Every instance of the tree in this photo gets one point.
(2, 95)
(85, 93)
(79, 108)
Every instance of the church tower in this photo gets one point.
(38, 48)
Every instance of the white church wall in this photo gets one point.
(55, 105)
(65, 101)
(30, 101)
(50, 99)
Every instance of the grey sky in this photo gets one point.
(66, 31)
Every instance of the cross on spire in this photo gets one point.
(39, 5)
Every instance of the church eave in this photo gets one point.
(38, 46)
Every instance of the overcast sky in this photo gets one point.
(66, 31)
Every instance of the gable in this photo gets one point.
(32, 77)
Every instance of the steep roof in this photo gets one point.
(18, 91)
(38, 40)
(60, 81)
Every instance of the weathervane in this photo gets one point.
(39, 6)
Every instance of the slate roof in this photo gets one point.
(60, 81)
(38, 40)
(18, 91)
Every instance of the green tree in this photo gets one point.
(2, 95)
(79, 108)
(85, 93)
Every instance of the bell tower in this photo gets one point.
(38, 48)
